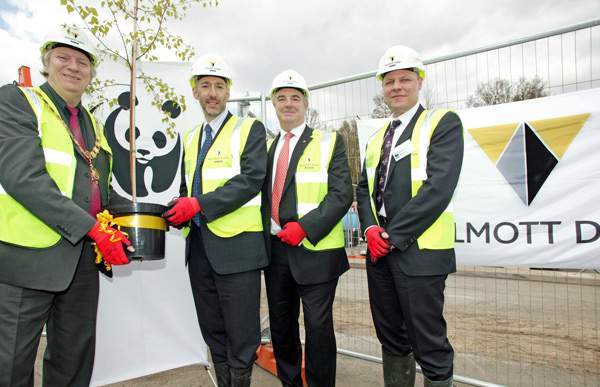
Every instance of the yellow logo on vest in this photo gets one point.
(309, 164)
(527, 152)
(218, 158)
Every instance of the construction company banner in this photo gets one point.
(147, 321)
(529, 191)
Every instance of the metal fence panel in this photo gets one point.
(509, 325)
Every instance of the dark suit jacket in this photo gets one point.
(245, 251)
(309, 267)
(23, 175)
(409, 217)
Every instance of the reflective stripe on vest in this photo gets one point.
(18, 226)
(222, 162)
(311, 185)
(440, 235)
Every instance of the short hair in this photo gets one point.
(46, 57)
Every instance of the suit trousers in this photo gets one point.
(408, 316)
(227, 307)
(284, 296)
(70, 319)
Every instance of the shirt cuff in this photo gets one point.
(367, 229)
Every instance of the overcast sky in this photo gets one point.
(323, 40)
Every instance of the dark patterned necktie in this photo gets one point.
(384, 161)
(208, 139)
(95, 201)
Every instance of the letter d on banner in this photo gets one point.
(589, 234)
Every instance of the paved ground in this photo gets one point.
(511, 326)
(351, 372)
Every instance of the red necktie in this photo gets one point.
(95, 203)
(280, 174)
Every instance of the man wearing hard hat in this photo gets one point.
(307, 192)
(225, 163)
(54, 180)
(411, 169)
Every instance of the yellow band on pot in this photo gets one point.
(142, 221)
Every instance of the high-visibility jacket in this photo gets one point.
(222, 162)
(311, 186)
(440, 235)
(18, 226)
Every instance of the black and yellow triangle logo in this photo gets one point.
(527, 152)
(557, 134)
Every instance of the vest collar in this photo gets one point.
(59, 102)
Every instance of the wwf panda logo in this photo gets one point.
(157, 155)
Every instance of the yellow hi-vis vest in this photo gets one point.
(440, 235)
(311, 186)
(18, 226)
(222, 162)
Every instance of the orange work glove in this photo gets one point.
(110, 242)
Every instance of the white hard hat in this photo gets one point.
(398, 58)
(210, 64)
(289, 78)
(71, 37)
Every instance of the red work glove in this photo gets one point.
(376, 243)
(110, 242)
(181, 210)
(292, 234)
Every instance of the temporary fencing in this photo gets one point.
(512, 326)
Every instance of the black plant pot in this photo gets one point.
(145, 228)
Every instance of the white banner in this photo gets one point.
(529, 191)
(146, 317)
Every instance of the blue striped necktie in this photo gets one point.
(208, 139)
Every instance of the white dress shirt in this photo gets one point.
(214, 124)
